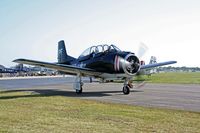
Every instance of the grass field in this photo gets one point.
(173, 77)
(29, 112)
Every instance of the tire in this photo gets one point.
(79, 91)
(126, 90)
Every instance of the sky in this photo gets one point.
(31, 29)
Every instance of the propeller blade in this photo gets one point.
(142, 50)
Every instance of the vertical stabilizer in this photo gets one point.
(153, 60)
(62, 54)
(63, 58)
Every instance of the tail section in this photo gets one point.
(150, 71)
(153, 60)
(63, 58)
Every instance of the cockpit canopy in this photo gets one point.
(99, 49)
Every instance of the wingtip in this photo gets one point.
(173, 62)
(17, 60)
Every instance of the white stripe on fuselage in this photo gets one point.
(116, 63)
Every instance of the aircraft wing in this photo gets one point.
(157, 64)
(60, 67)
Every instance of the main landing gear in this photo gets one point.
(78, 84)
(127, 86)
(79, 91)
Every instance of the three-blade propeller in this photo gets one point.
(142, 50)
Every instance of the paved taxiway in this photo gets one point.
(184, 97)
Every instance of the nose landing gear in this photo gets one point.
(126, 90)
(127, 86)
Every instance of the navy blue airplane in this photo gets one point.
(18, 68)
(106, 62)
(7, 70)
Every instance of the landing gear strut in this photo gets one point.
(78, 84)
(127, 86)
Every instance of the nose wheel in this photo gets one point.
(127, 86)
(126, 90)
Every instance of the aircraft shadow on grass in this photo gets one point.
(56, 92)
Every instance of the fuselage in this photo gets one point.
(102, 62)
(110, 62)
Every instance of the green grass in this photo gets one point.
(173, 77)
(28, 112)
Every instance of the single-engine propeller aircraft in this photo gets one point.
(16, 69)
(106, 62)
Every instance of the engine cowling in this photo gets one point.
(131, 64)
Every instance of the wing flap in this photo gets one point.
(61, 67)
(157, 64)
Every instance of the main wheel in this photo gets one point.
(126, 90)
(79, 91)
